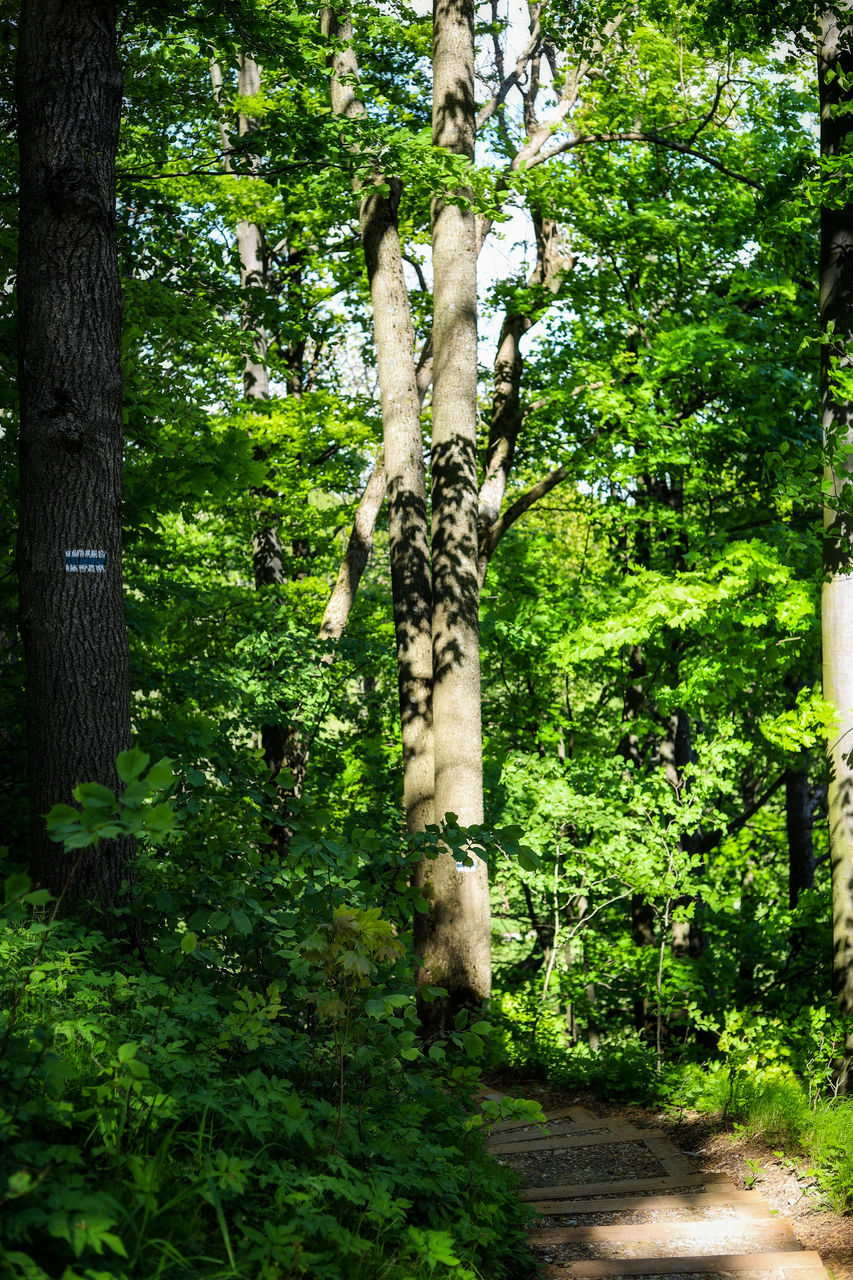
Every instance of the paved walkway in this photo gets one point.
(636, 1207)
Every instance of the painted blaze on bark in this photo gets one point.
(452, 938)
(836, 307)
(69, 88)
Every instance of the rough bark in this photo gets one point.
(69, 557)
(453, 937)
(835, 68)
(408, 532)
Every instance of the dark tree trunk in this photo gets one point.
(69, 90)
(799, 818)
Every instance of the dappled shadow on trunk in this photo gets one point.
(453, 118)
(454, 553)
(412, 593)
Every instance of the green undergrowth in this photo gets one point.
(247, 1095)
(773, 1078)
(773, 1105)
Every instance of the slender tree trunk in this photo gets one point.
(408, 532)
(799, 820)
(267, 554)
(281, 741)
(339, 606)
(453, 937)
(551, 264)
(69, 89)
(835, 68)
(254, 259)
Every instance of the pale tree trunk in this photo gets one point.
(360, 542)
(267, 556)
(408, 532)
(835, 67)
(69, 556)
(507, 417)
(453, 937)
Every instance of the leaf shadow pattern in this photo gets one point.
(412, 594)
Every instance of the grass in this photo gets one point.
(773, 1105)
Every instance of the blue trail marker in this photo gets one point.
(85, 561)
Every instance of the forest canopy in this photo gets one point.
(425, 608)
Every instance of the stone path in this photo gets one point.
(618, 1200)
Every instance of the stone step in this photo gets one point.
(601, 1137)
(574, 1115)
(552, 1129)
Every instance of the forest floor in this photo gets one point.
(716, 1147)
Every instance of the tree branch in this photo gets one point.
(641, 135)
(491, 536)
(486, 112)
(358, 551)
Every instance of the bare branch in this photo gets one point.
(418, 269)
(530, 50)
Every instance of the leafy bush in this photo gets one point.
(250, 1096)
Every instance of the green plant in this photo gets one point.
(250, 1095)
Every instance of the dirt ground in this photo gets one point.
(716, 1148)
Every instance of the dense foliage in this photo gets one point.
(224, 1075)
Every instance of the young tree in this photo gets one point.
(408, 533)
(69, 92)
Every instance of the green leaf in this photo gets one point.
(160, 819)
(94, 796)
(16, 886)
(241, 922)
(131, 764)
(161, 775)
(189, 942)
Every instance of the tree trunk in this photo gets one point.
(408, 533)
(547, 274)
(267, 553)
(453, 936)
(340, 602)
(835, 68)
(799, 818)
(69, 91)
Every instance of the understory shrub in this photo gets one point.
(247, 1095)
